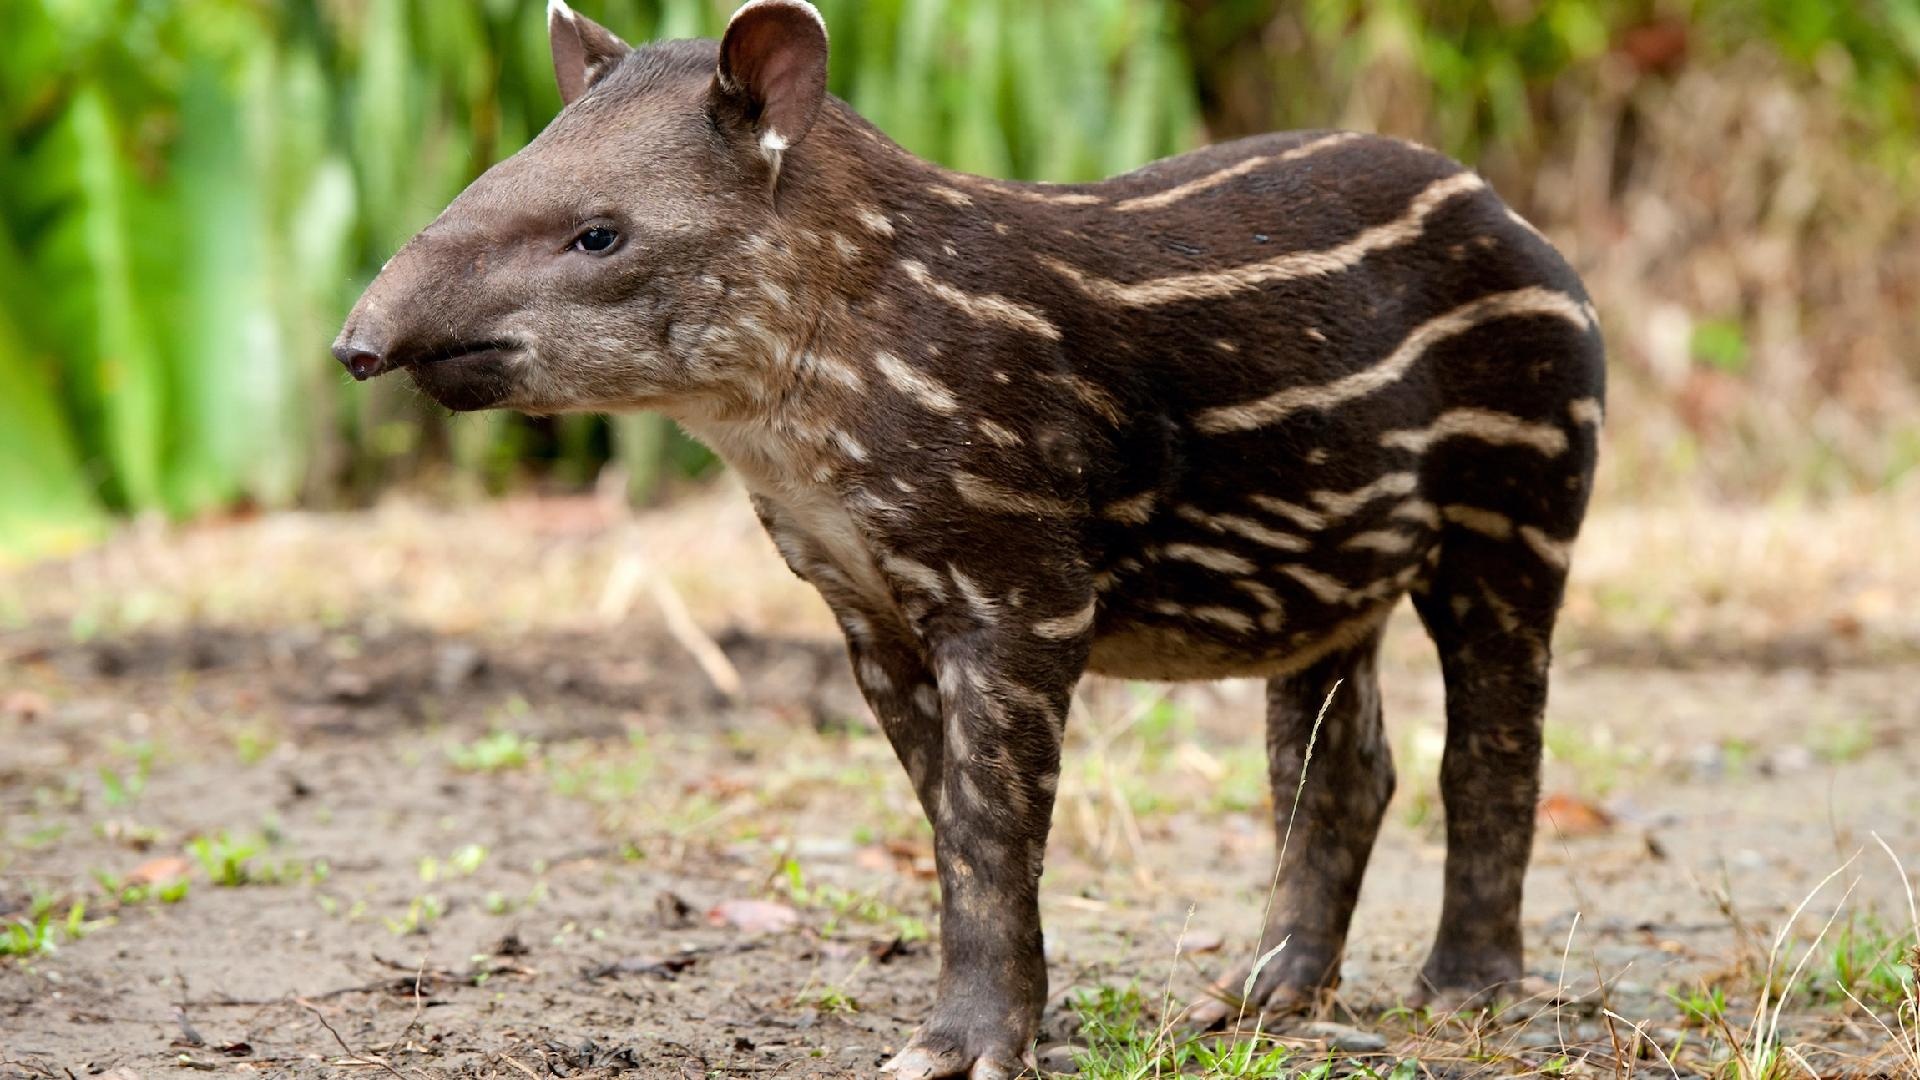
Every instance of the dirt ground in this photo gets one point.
(451, 792)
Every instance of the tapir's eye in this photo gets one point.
(597, 240)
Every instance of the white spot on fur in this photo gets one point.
(1554, 552)
(1299, 515)
(1384, 541)
(1225, 562)
(1419, 510)
(1228, 617)
(848, 445)
(918, 574)
(984, 607)
(1066, 627)
(1244, 526)
(1340, 504)
(1090, 395)
(917, 385)
(997, 434)
(1132, 510)
(1324, 589)
(873, 677)
(950, 195)
(1476, 519)
(927, 700)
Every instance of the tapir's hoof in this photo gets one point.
(1222, 1007)
(927, 1057)
(1500, 995)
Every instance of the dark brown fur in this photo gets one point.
(1210, 418)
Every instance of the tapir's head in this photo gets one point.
(595, 268)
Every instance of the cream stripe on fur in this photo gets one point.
(1240, 168)
(1277, 406)
(1483, 425)
(1207, 285)
(984, 494)
(989, 307)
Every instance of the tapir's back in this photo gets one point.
(1327, 351)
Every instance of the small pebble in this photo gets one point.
(455, 664)
(1061, 1058)
(1537, 1039)
(1346, 1039)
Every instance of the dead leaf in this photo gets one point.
(1571, 815)
(24, 704)
(881, 952)
(913, 857)
(754, 916)
(660, 967)
(161, 871)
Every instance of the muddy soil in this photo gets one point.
(371, 834)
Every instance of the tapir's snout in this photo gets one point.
(363, 357)
(425, 314)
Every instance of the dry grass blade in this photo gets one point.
(1640, 1036)
(1755, 1058)
(1908, 1014)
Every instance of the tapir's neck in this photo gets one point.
(821, 298)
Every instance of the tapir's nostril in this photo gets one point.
(363, 362)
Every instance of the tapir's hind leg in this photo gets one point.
(1491, 618)
(1348, 782)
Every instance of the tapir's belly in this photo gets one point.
(1208, 588)
(1170, 652)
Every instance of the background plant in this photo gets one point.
(192, 191)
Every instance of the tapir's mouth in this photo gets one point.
(474, 375)
(462, 353)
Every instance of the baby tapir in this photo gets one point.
(1211, 418)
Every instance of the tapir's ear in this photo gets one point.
(583, 50)
(773, 71)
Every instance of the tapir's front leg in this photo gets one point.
(1004, 684)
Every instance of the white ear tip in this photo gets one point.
(802, 5)
(558, 9)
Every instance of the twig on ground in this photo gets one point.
(419, 1005)
(515, 1062)
(628, 577)
(353, 1055)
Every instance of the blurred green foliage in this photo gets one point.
(193, 191)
